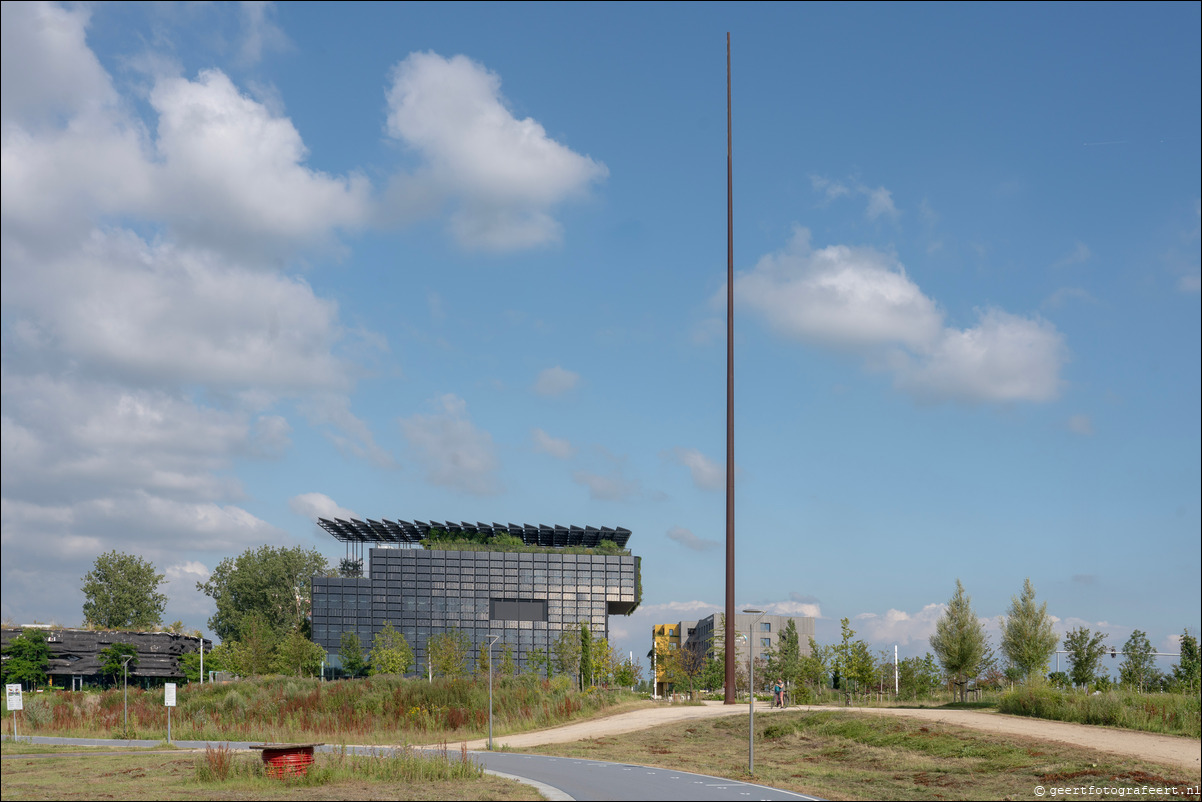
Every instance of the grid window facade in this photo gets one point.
(528, 599)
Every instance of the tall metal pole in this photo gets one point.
(491, 640)
(751, 690)
(125, 674)
(729, 635)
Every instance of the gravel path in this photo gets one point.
(1167, 749)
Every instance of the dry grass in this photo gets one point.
(840, 755)
(50, 773)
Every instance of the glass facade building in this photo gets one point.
(526, 598)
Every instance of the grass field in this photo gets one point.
(72, 773)
(841, 755)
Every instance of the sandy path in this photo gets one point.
(1167, 749)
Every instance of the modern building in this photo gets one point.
(553, 579)
(701, 636)
(75, 653)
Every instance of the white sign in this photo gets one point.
(13, 692)
(169, 694)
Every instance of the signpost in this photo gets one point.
(13, 694)
(169, 701)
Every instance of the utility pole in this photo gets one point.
(729, 635)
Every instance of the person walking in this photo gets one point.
(778, 690)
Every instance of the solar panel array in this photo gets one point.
(385, 531)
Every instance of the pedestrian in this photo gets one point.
(777, 691)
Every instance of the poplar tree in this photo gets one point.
(1027, 636)
(959, 640)
(1085, 652)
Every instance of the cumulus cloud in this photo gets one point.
(501, 175)
(690, 541)
(451, 450)
(861, 300)
(149, 327)
(555, 446)
(555, 381)
(318, 505)
(1080, 254)
(706, 473)
(898, 626)
(244, 167)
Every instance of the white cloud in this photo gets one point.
(1003, 358)
(451, 450)
(259, 31)
(880, 202)
(860, 299)
(244, 168)
(502, 175)
(898, 626)
(880, 199)
(555, 381)
(318, 505)
(690, 541)
(1190, 284)
(351, 434)
(838, 296)
(119, 305)
(706, 473)
(557, 447)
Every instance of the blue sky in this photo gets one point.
(434, 261)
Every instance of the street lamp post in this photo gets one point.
(751, 690)
(492, 639)
(125, 682)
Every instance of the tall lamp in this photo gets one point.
(125, 682)
(751, 690)
(492, 639)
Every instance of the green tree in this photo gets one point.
(508, 665)
(628, 673)
(853, 660)
(586, 656)
(538, 663)
(1027, 637)
(815, 668)
(350, 654)
(26, 658)
(215, 660)
(959, 640)
(449, 653)
(1188, 670)
(296, 654)
(1138, 669)
(121, 592)
(112, 660)
(566, 651)
(784, 662)
(273, 583)
(255, 652)
(1085, 653)
(390, 652)
(918, 677)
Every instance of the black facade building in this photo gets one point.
(561, 577)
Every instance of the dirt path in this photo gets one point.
(1167, 749)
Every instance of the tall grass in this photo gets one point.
(1172, 713)
(385, 709)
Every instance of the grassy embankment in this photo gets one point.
(1170, 713)
(379, 710)
(845, 755)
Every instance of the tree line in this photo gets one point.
(961, 657)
